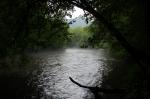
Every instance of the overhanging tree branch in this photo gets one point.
(115, 32)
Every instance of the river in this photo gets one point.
(56, 66)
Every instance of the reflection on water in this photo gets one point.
(83, 65)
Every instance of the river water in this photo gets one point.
(83, 65)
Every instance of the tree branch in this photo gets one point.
(117, 34)
(97, 89)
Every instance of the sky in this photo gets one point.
(76, 13)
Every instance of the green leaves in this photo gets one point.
(25, 24)
(79, 36)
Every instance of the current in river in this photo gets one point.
(56, 66)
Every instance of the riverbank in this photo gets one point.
(127, 75)
(15, 72)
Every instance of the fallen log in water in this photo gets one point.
(97, 90)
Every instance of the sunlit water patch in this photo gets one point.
(83, 65)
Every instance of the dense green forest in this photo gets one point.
(122, 27)
(29, 25)
(79, 37)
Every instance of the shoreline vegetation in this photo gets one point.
(122, 28)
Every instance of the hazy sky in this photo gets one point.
(76, 13)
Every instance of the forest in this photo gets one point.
(120, 27)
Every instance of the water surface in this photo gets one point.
(83, 65)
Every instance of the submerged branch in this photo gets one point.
(97, 89)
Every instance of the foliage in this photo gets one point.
(27, 24)
(127, 17)
(79, 36)
(52, 34)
